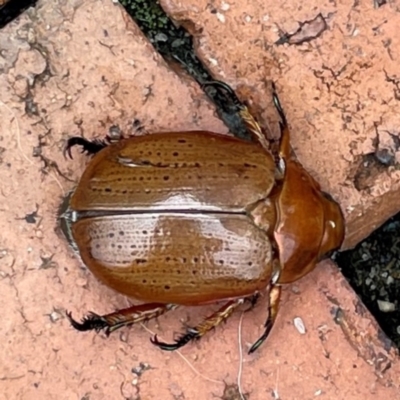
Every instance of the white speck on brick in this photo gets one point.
(299, 324)
(225, 6)
(265, 18)
(221, 17)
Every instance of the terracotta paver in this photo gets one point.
(79, 67)
(340, 90)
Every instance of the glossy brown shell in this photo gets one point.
(166, 217)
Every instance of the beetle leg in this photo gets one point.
(253, 127)
(253, 301)
(233, 97)
(250, 122)
(285, 150)
(89, 147)
(200, 330)
(128, 316)
(278, 105)
(274, 298)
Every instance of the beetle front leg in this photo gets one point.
(200, 330)
(250, 122)
(285, 149)
(125, 317)
(274, 299)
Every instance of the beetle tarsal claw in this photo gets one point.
(89, 147)
(274, 298)
(235, 100)
(90, 322)
(191, 334)
(163, 345)
(262, 338)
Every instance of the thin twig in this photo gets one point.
(239, 377)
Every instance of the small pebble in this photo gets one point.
(225, 6)
(295, 289)
(81, 282)
(55, 316)
(161, 37)
(299, 324)
(389, 280)
(386, 306)
(221, 17)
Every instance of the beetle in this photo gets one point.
(190, 218)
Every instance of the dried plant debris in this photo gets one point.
(232, 392)
(308, 30)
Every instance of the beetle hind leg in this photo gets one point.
(274, 299)
(128, 316)
(90, 322)
(200, 330)
(90, 147)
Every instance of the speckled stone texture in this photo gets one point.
(79, 67)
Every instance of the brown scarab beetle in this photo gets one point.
(189, 218)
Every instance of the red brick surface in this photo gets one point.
(78, 67)
(340, 91)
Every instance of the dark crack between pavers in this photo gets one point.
(175, 45)
(11, 9)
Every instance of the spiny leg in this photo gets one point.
(233, 97)
(89, 147)
(253, 301)
(254, 127)
(278, 105)
(200, 330)
(274, 298)
(251, 124)
(127, 316)
(285, 149)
